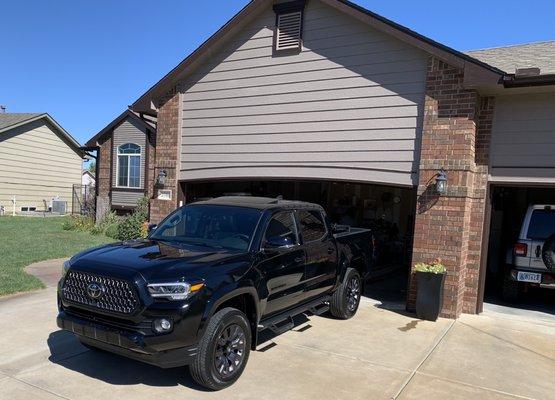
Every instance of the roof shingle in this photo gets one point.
(533, 55)
(9, 119)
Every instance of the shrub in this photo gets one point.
(78, 223)
(435, 267)
(132, 227)
(108, 223)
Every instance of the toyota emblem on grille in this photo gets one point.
(95, 290)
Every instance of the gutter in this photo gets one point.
(512, 81)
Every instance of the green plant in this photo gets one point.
(435, 267)
(132, 226)
(80, 223)
(108, 223)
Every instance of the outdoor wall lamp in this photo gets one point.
(161, 180)
(441, 182)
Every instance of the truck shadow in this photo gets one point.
(66, 351)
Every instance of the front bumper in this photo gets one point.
(130, 344)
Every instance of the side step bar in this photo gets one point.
(284, 321)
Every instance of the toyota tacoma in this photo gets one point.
(211, 276)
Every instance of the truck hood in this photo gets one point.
(154, 260)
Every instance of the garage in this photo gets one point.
(522, 197)
(387, 210)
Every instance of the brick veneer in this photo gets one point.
(104, 177)
(166, 153)
(455, 137)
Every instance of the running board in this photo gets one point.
(284, 321)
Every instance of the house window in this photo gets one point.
(129, 165)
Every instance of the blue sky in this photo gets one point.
(85, 61)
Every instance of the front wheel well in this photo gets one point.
(246, 304)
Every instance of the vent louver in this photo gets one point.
(289, 31)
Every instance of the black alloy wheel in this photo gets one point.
(229, 351)
(353, 293)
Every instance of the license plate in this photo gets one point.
(529, 277)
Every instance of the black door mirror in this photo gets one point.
(275, 242)
(151, 227)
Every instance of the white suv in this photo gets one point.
(533, 254)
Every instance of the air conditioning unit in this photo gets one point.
(59, 207)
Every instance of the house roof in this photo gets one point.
(92, 142)
(9, 121)
(532, 55)
(187, 66)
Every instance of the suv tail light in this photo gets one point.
(521, 249)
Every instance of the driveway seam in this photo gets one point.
(39, 388)
(476, 386)
(413, 373)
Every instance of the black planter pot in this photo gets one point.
(429, 295)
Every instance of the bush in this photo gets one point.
(107, 224)
(78, 223)
(132, 227)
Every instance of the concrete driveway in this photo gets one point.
(379, 354)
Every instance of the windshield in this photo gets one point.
(542, 224)
(222, 227)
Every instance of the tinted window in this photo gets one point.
(282, 225)
(542, 224)
(312, 225)
(211, 226)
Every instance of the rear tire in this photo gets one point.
(223, 350)
(346, 299)
(548, 253)
(510, 289)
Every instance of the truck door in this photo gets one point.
(283, 263)
(321, 253)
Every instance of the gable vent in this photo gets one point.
(289, 28)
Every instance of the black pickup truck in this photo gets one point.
(208, 279)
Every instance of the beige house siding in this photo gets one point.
(36, 165)
(348, 107)
(523, 139)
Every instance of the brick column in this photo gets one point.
(104, 177)
(166, 154)
(449, 226)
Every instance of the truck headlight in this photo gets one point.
(65, 267)
(173, 290)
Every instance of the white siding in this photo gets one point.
(348, 107)
(36, 164)
(523, 139)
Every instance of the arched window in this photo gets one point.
(129, 165)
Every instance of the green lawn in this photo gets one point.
(25, 240)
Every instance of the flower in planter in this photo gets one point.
(435, 267)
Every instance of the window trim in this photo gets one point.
(297, 233)
(322, 216)
(118, 154)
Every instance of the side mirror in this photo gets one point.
(275, 242)
(151, 227)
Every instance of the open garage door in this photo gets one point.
(387, 210)
(522, 218)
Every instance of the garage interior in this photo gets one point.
(508, 209)
(387, 210)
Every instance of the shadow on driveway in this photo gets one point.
(111, 368)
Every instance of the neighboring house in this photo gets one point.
(123, 166)
(325, 101)
(87, 178)
(39, 161)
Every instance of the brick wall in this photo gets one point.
(449, 226)
(104, 177)
(166, 153)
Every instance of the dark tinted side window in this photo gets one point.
(542, 224)
(312, 225)
(283, 225)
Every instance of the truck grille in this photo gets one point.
(114, 295)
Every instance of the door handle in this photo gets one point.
(299, 259)
(538, 251)
(330, 250)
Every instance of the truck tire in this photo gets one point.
(510, 289)
(223, 350)
(548, 253)
(346, 299)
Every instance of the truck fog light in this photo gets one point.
(162, 325)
